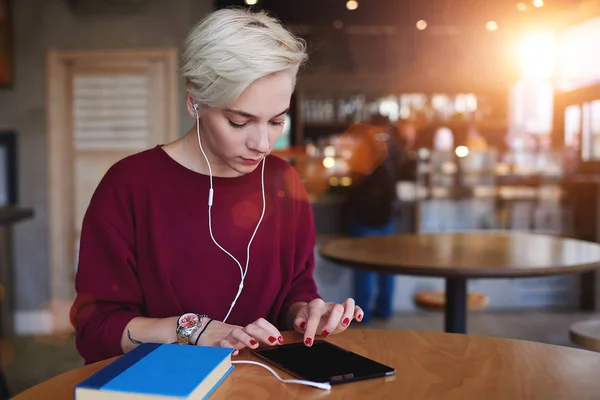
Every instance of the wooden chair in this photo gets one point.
(586, 334)
(436, 300)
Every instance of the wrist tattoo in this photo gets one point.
(132, 339)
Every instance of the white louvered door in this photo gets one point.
(103, 107)
(111, 120)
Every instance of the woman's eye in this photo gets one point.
(236, 126)
(278, 123)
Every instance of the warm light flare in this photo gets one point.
(538, 3)
(352, 5)
(491, 26)
(521, 7)
(251, 2)
(328, 162)
(576, 61)
(537, 55)
(421, 25)
(462, 151)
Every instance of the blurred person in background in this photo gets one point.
(407, 137)
(378, 154)
(475, 141)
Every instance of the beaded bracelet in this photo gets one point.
(202, 331)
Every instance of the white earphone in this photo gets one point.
(243, 271)
(325, 386)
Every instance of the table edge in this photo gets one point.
(297, 337)
(451, 272)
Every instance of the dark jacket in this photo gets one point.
(371, 198)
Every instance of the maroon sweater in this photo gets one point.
(146, 249)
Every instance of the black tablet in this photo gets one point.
(323, 362)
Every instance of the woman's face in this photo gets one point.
(239, 136)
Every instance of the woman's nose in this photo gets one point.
(260, 141)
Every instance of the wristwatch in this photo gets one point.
(186, 325)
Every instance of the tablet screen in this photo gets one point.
(323, 362)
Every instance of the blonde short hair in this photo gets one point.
(233, 47)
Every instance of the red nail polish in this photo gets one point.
(308, 342)
(325, 334)
(280, 339)
(303, 325)
(272, 339)
(359, 317)
(253, 342)
(346, 321)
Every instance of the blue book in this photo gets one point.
(159, 372)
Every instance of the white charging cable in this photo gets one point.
(211, 191)
(324, 386)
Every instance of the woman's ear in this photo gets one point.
(192, 105)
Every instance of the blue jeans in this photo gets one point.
(365, 281)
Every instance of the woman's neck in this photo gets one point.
(196, 161)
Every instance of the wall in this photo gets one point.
(38, 27)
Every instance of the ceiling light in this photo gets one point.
(352, 5)
(538, 3)
(462, 151)
(491, 26)
(421, 25)
(521, 6)
(329, 162)
(251, 2)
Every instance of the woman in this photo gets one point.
(208, 240)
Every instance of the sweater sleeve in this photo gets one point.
(107, 287)
(303, 287)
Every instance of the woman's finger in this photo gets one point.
(274, 333)
(241, 339)
(316, 310)
(261, 335)
(348, 315)
(300, 325)
(225, 343)
(336, 312)
(358, 313)
(349, 312)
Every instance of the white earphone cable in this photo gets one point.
(325, 386)
(244, 271)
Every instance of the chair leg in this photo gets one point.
(4, 392)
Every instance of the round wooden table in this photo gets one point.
(428, 366)
(458, 256)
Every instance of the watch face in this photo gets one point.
(188, 320)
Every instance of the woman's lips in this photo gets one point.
(251, 161)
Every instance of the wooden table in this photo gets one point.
(462, 255)
(428, 366)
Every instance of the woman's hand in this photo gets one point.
(321, 318)
(219, 334)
